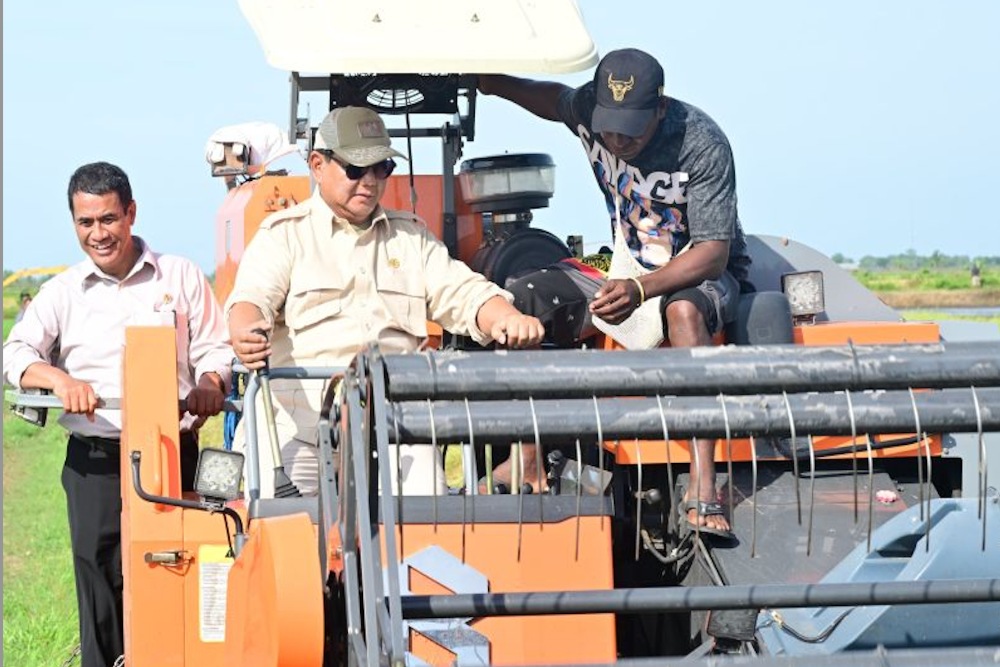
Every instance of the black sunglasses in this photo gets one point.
(382, 170)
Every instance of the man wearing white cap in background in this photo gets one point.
(667, 174)
(337, 271)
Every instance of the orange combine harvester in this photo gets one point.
(852, 446)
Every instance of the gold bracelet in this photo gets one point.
(642, 292)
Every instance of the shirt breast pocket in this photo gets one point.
(312, 305)
(405, 299)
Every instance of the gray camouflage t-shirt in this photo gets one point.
(680, 188)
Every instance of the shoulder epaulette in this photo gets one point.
(297, 212)
(393, 214)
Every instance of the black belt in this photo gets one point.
(114, 445)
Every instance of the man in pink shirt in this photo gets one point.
(70, 341)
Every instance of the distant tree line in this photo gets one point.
(911, 261)
(908, 261)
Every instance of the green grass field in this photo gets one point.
(39, 601)
(925, 280)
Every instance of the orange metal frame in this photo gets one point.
(549, 560)
(172, 613)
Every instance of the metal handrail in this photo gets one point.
(638, 600)
(250, 413)
(730, 369)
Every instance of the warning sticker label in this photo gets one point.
(213, 573)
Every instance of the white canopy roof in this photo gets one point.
(422, 37)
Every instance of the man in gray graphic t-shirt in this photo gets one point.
(667, 174)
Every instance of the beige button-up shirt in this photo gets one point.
(329, 288)
(77, 323)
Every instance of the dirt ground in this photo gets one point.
(970, 298)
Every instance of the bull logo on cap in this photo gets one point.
(619, 88)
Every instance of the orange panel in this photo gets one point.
(548, 561)
(605, 342)
(164, 623)
(634, 452)
(239, 218)
(275, 599)
(430, 198)
(153, 595)
(867, 333)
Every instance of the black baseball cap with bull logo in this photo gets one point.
(628, 84)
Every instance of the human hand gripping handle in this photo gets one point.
(207, 398)
(252, 346)
(77, 397)
(283, 486)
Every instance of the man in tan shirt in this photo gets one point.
(338, 271)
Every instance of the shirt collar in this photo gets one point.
(322, 211)
(92, 274)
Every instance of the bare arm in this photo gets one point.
(251, 348)
(539, 97)
(77, 397)
(507, 325)
(704, 261)
(617, 299)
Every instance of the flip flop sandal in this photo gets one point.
(704, 509)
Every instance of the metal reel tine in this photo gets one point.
(812, 492)
(471, 472)
(795, 456)
(666, 443)
(922, 438)
(854, 432)
(753, 505)
(539, 459)
(854, 444)
(471, 475)
(600, 437)
(920, 465)
(579, 494)
(695, 460)
(399, 484)
(930, 472)
(638, 498)
(516, 479)
(982, 462)
(516, 467)
(871, 489)
(729, 461)
(434, 444)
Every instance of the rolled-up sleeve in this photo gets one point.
(32, 339)
(455, 293)
(209, 351)
(264, 274)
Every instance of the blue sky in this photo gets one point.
(865, 128)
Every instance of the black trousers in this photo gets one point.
(91, 478)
